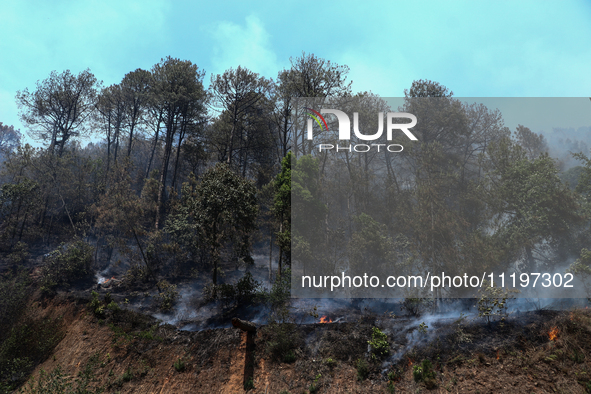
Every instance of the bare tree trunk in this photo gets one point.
(152, 154)
(163, 173)
(178, 154)
(271, 256)
(231, 147)
(131, 128)
(280, 253)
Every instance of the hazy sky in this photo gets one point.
(476, 48)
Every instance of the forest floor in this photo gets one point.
(534, 352)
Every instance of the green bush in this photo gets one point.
(167, 295)
(362, 369)
(179, 365)
(243, 291)
(493, 302)
(281, 342)
(249, 384)
(315, 386)
(277, 298)
(14, 292)
(395, 375)
(380, 347)
(100, 309)
(27, 344)
(49, 383)
(65, 265)
(424, 373)
(127, 375)
(417, 306)
(289, 357)
(423, 328)
(330, 363)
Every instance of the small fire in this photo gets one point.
(409, 362)
(324, 319)
(498, 356)
(105, 280)
(553, 333)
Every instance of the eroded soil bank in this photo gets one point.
(535, 352)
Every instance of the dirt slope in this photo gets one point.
(524, 360)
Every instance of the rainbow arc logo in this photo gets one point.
(316, 118)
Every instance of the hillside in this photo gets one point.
(535, 352)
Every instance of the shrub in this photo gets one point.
(179, 365)
(14, 291)
(249, 384)
(380, 347)
(95, 305)
(280, 291)
(282, 342)
(27, 344)
(243, 291)
(289, 357)
(18, 255)
(424, 373)
(50, 383)
(395, 375)
(423, 328)
(330, 363)
(493, 302)
(417, 306)
(362, 369)
(315, 386)
(127, 375)
(167, 295)
(277, 298)
(66, 264)
(391, 388)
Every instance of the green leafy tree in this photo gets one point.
(179, 100)
(18, 205)
(308, 212)
(59, 107)
(9, 140)
(582, 268)
(370, 245)
(110, 113)
(240, 94)
(534, 144)
(219, 211)
(135, 88)
(308, 76)
(282, 210)
(121, 214)
(534, 210)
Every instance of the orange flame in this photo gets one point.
(553, 333)
(323, 319)
(498, 351)
(409, 362)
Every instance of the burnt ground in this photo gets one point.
(121, 352)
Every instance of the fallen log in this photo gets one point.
(244, 325)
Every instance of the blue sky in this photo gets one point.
(476, 48)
